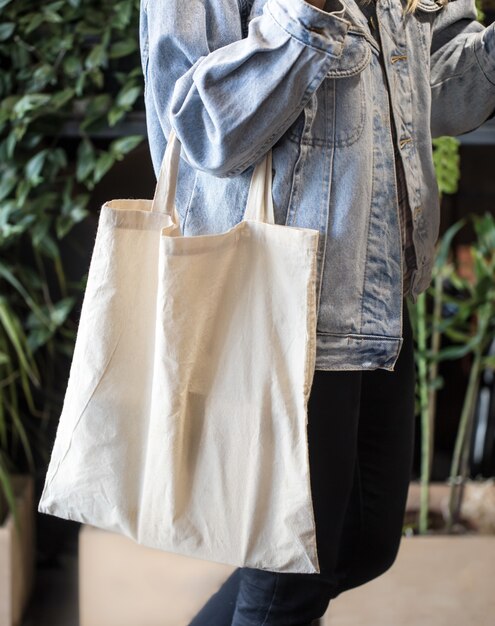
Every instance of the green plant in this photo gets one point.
(428, 328)
(62, 61)
(470, 327)
(447, 169)
(447, 163)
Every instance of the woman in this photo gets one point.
(348, 101)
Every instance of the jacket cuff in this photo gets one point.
(484, 50)
(314, 27)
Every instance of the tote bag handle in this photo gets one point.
(259, 204)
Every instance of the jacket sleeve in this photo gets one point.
(462, 74)
(228, 97)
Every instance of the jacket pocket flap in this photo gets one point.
(356, 55)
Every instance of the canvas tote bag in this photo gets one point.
(184, 420)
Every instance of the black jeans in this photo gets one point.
(361, 440)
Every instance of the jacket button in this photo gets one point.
(417, 212)
(404, 141)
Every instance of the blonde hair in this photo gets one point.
(411, 6)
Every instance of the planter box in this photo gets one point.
(17, 555)
(477, 508)
(124, 584)
(437, 580)
(440, 580)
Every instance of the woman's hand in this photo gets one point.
(319, 4)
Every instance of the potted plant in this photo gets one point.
(65, 70)
(447, 554)
(444, 567)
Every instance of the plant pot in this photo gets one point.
(122, 583)
(17, 554)
(3, 507)
(477, 513)
(437, 579)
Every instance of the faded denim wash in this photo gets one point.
(236, 78)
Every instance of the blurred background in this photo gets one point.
(72, 132)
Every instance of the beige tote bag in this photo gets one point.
(184, 421)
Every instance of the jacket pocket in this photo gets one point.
(336, 113)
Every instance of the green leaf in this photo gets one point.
(72, 65)
(34, 166)
(64, 223)
(6, 30)
(85, 160)
(97, 77)
(103, 164)
(456, 335)
(454, 352)
(36, 19)
(42, 76)
(446, 162)
(445, 246)
(61, 98)
(51, 16)
(16, 335)
(29, 102)
(124, 145)
(123, 13)
(22, 192)
(8, 275)
(97, 107)
(115, 115)
(96, 58)
(61, 310)
(48, 247)
(8, 181)
(123, 48)
(127, 96)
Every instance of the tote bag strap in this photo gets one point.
(164, 198)
(259, 204)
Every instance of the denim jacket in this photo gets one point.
(235, 78)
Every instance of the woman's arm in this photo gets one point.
(230, 99)
(462, 70)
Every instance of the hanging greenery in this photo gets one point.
(62, 63)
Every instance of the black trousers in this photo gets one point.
(361, 441)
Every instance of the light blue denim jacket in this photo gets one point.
(236, 78)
